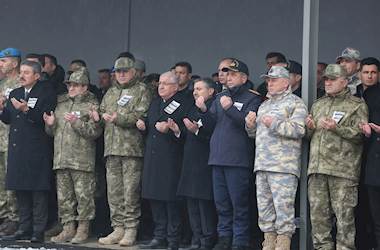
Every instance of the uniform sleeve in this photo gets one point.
(87, 127)
(251, 131)
(138, 112)
(51, 130)
(294, 126)
(350, 128)
(310, 132)
(238, 117)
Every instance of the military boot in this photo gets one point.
(82, 232)
(129, 238)
(66, 235)
(112, 238)
(269, 242)
(283, 242)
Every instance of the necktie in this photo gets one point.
(26, 95)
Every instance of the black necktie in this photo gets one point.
(26, 95)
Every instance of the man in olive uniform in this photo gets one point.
(124, 103)
(74, 133)
(335, 157)
(350, 61)
(9, 66)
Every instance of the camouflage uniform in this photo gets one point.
(74, 157)
(123, 147)
(353, 83)
(334, 169)
(277, 161)
(8, 206)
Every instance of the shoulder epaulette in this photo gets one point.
(62, 98)
(355, 98)
(254, 92)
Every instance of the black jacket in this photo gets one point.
(163, 151)
(196, 175)
(29, 150)
(229, 144)
(372, 147)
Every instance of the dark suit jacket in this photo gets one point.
(196, 176)
(29, 150)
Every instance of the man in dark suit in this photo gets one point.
(29, 151)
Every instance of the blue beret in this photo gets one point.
(10, 52)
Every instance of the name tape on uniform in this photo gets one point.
(238, 105)
(32, 102)
(124, 100)
(173, 106)
(337, 116)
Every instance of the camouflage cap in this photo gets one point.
(237, 66)
(334, 71)
(349, 53)
(123, 63)
(276, 72)
(10, 52)
(79, 76)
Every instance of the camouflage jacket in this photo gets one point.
(74, 144)
(337, 152)
(353, 83)
(278, 148)
(6, 86)
(130, 102)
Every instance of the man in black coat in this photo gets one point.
(29, 151)
(369, 72)
(196, 177)
(162, 162)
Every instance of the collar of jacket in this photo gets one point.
(236, 90)
(281, 94)
(342, 94)
(128, 85)
(78, 98)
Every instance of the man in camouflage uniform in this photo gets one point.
(9, 66)
(335, 157)
(124, 103)
(350, 60)
(279, 126)
(74, 132)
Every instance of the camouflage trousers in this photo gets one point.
(329, 196)
(75, 194)
(276, 194)
(124, 190)
(8, 205)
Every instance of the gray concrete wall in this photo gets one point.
(162, 32)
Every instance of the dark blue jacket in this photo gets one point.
(229, 144)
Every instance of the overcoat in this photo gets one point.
(29, 149)
(163, 151)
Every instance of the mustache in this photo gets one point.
(22, 79)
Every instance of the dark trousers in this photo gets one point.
(231, 194)
(202, 216)
(374, 205)
(33, 210)
(167, 220)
